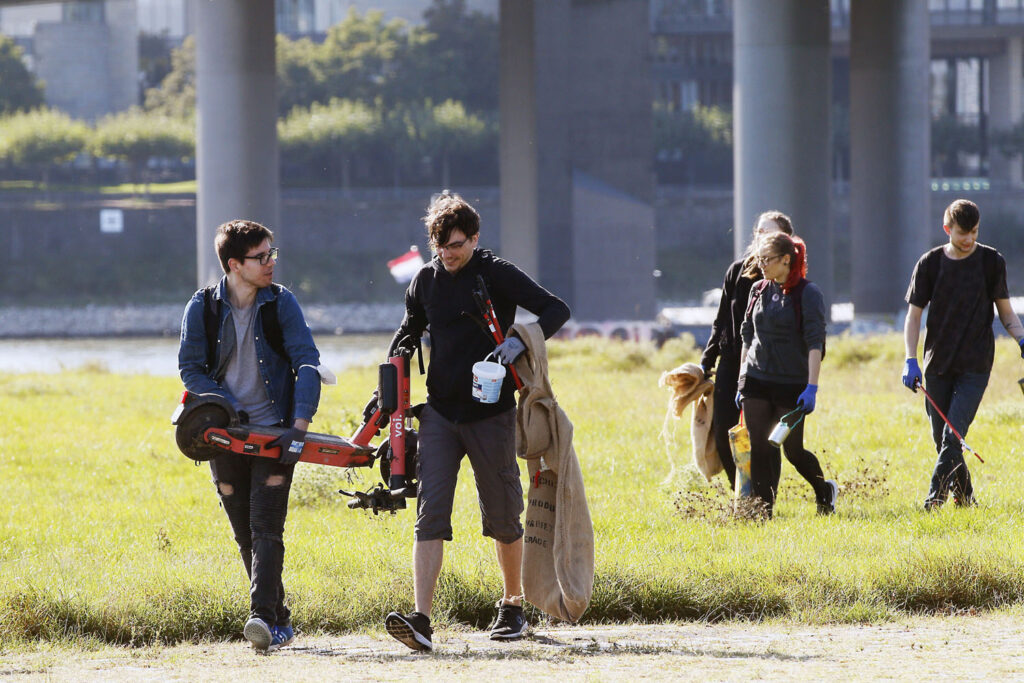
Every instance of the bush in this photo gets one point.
(136, 137)
(41, 138)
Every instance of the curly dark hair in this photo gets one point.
(448, 211)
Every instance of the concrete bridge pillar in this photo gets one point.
(782, 140)
(577, 183)
(236, 137)
(889, 152)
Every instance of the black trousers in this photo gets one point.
(764, 404)
(257, 513)
(727, 415)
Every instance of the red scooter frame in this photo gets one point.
(207, 426)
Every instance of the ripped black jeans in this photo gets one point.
(257, 513)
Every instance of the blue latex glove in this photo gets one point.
(510, 349)
(1021, 342)
(739, 400)
(912, 374)
(806, 399)
(709, 371)
(291, 444)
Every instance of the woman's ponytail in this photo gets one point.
(797, 265)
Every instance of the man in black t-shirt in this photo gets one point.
(454, 424)
(958, 281)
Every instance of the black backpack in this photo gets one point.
(798, 303)
(271, 325)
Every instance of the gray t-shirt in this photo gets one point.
(776, 346)
(242, 376)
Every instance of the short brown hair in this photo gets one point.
(448, 211)
(235, 238)
(963, 213)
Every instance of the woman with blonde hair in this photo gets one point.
(725, 345)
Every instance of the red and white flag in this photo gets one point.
(406, 266)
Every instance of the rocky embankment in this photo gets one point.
(165, 320)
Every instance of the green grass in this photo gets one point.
(109, 534)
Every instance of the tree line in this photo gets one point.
(375, 102)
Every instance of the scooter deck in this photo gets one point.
(320, 449)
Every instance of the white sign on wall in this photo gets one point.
(111, 220)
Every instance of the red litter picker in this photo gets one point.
(963, 444)
(483, 302)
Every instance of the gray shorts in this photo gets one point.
(491, 446)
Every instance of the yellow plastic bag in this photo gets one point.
(739, 442)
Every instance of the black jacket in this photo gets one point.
(725, 331)
(458, 338)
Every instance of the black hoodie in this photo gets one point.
(444, 303)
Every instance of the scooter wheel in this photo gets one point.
(189, 434)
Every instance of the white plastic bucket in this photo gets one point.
(487, 377)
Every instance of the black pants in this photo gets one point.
(257, 513)
(764, 404)
(726, 415)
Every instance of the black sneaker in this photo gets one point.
(413, 630)
(510, 624)
(828, 506)
(965, 501)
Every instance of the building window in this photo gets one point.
(84, 12)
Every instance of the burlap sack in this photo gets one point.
(689, 386)
(558, 545)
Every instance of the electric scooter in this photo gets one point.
(207, 426)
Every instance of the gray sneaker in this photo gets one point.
(258, 633)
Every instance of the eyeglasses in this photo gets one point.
(266, 257)
(451, 246)
(763, 261)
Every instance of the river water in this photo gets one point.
(159, 356)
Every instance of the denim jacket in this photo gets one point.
(294, 396)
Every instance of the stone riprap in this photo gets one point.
(165, 320)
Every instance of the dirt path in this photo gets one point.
(937, 648)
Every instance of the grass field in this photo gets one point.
(109, 534)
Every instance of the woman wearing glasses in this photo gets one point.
(725, 344)
(783, 335)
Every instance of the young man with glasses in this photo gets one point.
(265, 363)
(452, 424)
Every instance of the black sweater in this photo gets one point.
(444, 303)
(725, 331)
